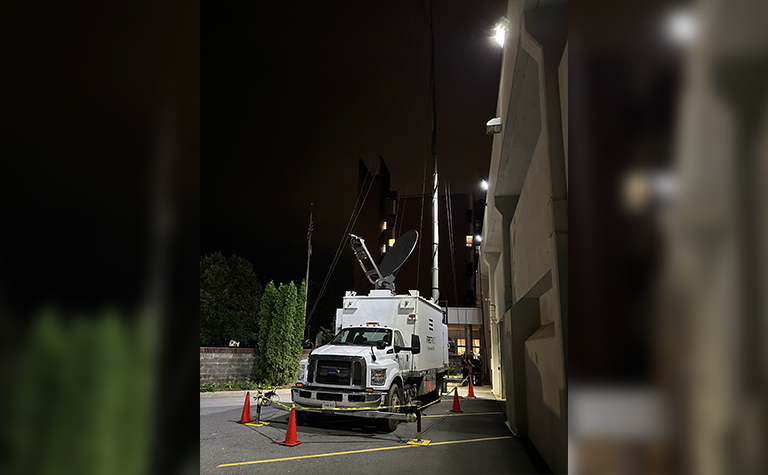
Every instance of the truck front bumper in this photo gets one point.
(317, 397)
(314, 399)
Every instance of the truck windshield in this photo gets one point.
(362, 336)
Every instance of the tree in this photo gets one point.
(269, 302)
(229, 300)
(282, 326)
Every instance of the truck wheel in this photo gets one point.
(394, 398)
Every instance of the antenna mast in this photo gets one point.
(435, 230)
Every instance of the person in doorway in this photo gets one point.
(466, 367)
(477, 364)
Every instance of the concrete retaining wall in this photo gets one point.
(220, 365)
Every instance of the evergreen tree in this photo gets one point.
(280, 353)
(269, 302)
(229, 300)
(297, 331)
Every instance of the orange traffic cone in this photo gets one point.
(246, 417)
(471, 393)
(456, 405)
(291, 436)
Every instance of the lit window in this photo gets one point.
(469, 241)
(475, 346)
(391, 242)
(384, 226)
(383, 248)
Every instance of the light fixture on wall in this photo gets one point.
(493, 126)
(500, 31)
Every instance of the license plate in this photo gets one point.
(329, 404)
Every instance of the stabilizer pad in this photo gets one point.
(423, 443)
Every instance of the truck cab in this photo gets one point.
(356, 367)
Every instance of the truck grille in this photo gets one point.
(333, 372)
(337, 370)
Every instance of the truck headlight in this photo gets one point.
(378, 377)
(302, 372)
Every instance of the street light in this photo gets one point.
(484, 185)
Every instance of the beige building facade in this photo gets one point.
(524, 253)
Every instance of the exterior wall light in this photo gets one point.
(500, 31)
(493, 126)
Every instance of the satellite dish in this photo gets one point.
(396, 257)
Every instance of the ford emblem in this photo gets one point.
(333, 372)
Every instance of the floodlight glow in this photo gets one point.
(478, 238)
(484, 185)
(500, 35)
(500, 31)
(682, 26)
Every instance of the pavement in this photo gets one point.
(473, 441)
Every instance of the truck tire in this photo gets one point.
(394, 398)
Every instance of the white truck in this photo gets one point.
(368, 363)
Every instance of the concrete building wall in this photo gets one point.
(524, 251)
(545, 396)
(531, 227)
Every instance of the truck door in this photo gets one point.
(404, 357)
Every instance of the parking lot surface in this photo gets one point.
(473, 441)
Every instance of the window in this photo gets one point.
(384, 226)
(469, 240)
(398, 339)
(383, 248)
(362, 336)
(391, 242)
(461, 347)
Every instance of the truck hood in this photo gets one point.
(345, 350)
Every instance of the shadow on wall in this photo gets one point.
(547, 430)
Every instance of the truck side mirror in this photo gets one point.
(415, 345)
(381, 345)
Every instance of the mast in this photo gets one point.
(309, 255)
(435, 229)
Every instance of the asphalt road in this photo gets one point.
(474, 441)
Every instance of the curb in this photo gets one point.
(240, 393)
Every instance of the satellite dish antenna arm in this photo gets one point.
(362, 254)
(383, 276)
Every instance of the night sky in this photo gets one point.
(295, 93)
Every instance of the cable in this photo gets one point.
(343, 241)
(449, 212)
(338, 249)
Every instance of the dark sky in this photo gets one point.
(295, 93)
